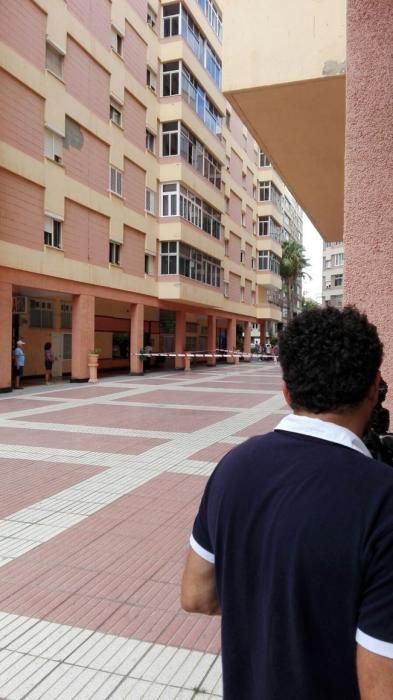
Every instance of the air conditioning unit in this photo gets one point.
(19, 305)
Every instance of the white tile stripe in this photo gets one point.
(40, 659)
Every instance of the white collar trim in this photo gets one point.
(325, 430)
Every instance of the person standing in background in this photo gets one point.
(49, 359)
(19, 358)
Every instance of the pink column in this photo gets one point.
(6, 336)
(136, 344)
(83, 311)
(247, 336)
(211, 339)
(180, 339)
(231, 337)
(368, 223)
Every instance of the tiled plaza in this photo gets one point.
(100, 485)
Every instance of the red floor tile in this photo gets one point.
(119, 570)
(141, 418)
(24, 482)
(77, 441)
(212, 453)
(191, 397)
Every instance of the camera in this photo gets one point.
(377, 437)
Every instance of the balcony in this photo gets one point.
(286, 79)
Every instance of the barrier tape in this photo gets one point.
(146, 355)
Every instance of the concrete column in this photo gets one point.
(262, 332)
(180, 338)
(247, 336)
(211, 339)
(83, 313)
(6, 337)
(231, 337)
(136, 340)
(368, 268)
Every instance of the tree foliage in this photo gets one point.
(292, 266)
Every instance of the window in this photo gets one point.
(176, 136)
(337, 259)
(253, 263)
(150, 201)
(169, 258)
(116, 181)
(53, 146)
(213, 65)
(264, 161)
(171, 20)
(169, 200)
(181, 259)
(66, 315)
(337, 280)
(268, 192)
(213, 15)
(67, 346)
(176, 200)
(54, 60)
(176, 80)
(226, 289)
(114, 253)
(52, 232)
(115, 113)
(117, 41)
(267, 226)
(253, 298)
(268, 261)
(243, 219)
(170, 139)
(227, 203)
(150, 141)
(151, 18)
(120, 344)
(242, 291)
(275, 297)
(264, 191)
(148, 265)
(228, 119)
(41, 313)
(171, 79)
(151, 79)
(242, 257)
(226, 247)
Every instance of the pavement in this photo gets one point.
(99, 488)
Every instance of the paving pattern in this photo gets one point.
(100, 485)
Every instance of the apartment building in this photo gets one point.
(333, 273)
(135, 207)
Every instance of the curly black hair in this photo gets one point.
(329, 358)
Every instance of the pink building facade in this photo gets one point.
(368, 234)
(94, 251)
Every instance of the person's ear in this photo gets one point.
(286, 393)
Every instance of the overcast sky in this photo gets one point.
(312, 242)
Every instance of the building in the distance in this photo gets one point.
(333, 274)
(136, 209)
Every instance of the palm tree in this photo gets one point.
(292, 266)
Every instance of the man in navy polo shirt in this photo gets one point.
(293, 541)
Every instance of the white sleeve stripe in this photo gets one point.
(374, 645)
(204, 553)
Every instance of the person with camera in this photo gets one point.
(293, 541)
